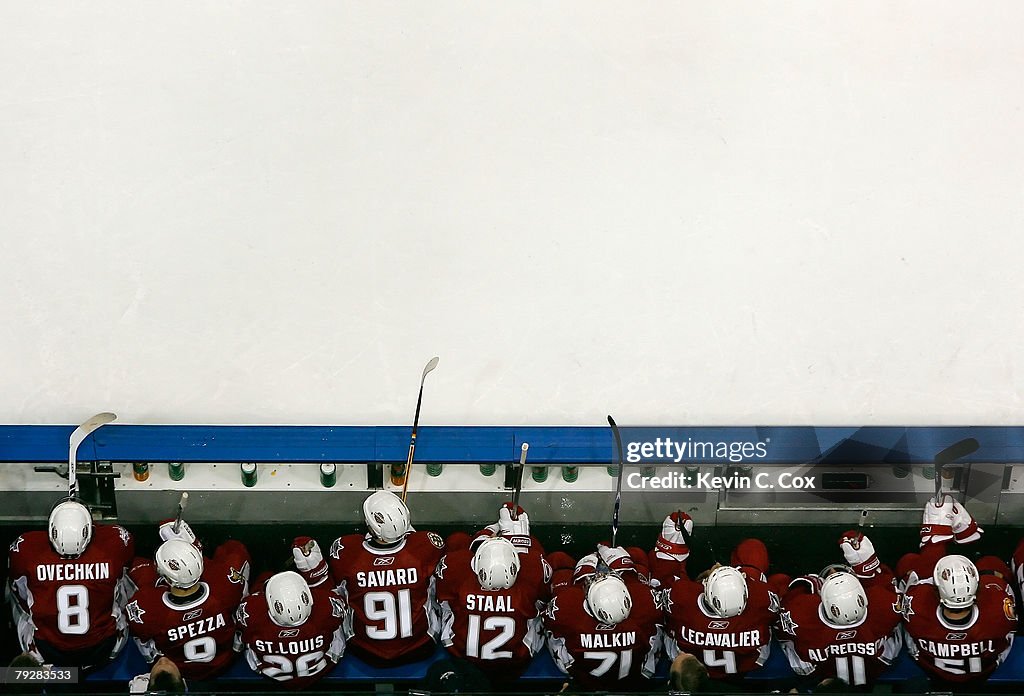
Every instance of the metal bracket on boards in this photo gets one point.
(95, 485)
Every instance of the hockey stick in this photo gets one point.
(431, 364)
(77, 438)
(957, 450)
(519, 480)
(618, 482)
(181, 509)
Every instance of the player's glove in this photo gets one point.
(859, 553)
(585, 568)
(309, 561)
(965, 529)
(937, 522)
(520, 526)
(810, 583)
(616, 558)
(672, 543)
(184, 533)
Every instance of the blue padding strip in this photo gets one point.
(554, 444)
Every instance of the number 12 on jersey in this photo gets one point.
(507, 627)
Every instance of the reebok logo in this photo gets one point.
(846, 635)
(956, 636)
(718, 625)
(192, 615)
(384, 561)
(290, 633)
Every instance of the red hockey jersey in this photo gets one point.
(497, 630)
(296, 656)
(389, 594)
(857, 654)
(198, 635)
(727, 647)
(71, 603)
(960, 653)
(600, 656)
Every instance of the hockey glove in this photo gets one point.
(309, 561)
(513, 527)
(965, 529)
(184, 533)
(937, 521)
(859, 553)
(671, 544)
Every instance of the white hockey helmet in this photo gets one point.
(70, 527)
(289, 601)
(843, 599)
(387, 517)
(725, 591)
(496, 564)
(179, 563)
(609, 600)
(956, 579)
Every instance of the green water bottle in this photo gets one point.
(328, 474)
(249, 475)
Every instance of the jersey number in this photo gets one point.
(380, 606)
(608, 658)
(304, 666)
(73, 609)
(200, 649)
(957, 666)
(854, 666)
(505, 624)
(727, 662)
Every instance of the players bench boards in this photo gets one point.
(712, 473)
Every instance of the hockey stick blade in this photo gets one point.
(75, 441)
(958, 450)
(431, 364)
(618, 482)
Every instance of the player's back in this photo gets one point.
(388, 591)
(498, 630)
(296, 656)
(197, 634)
(74, 603)
(856, 653)
(960, 652)
(728, 647)
(600, 656)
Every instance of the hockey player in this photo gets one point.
(188, 612)
(292, 634)
(68, 588)
(843, 623)
(959, 617)
(387, 579)
(490, 600)
(605, 629)
(725, 621)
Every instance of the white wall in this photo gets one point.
(719, 213)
